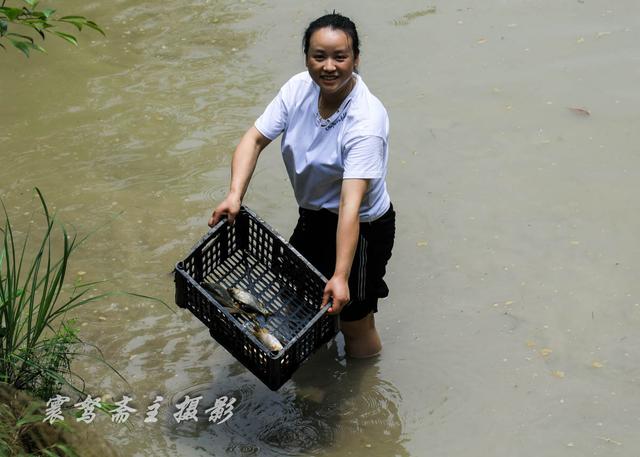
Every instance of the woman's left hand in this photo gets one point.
(337, 289)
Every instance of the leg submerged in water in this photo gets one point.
(361, 337)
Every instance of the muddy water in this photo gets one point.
(512, 323)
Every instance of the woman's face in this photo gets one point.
(330, 60)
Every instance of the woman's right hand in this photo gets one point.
(229, 207)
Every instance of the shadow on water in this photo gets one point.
(331, 404)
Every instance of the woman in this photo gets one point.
(334, 145)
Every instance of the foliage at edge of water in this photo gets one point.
(37, 341)
(40, 22)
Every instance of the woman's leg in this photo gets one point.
(361, 338)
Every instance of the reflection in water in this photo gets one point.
(331, 405)
(359, 408)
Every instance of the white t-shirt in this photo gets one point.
(319, 153)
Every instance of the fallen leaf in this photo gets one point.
(558, 374)
(601, 34)
(404, 20)
(544, 352)
(609, 440)
(422, 243)
(531, 344)
(482, 41)
(597, 365)
(581, 111)
(82, 273)
(580, 40)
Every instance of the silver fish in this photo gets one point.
(248, 301)
(266, 338)
(221, 295)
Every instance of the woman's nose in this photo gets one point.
(329, 65)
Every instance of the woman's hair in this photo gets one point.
(334, 21)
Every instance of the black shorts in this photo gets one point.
(315, 238)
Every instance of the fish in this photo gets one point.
(248, 301)
(221, 295)
(266, 338)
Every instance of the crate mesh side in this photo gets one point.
(251, 256)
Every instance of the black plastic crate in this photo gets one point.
(251, 255)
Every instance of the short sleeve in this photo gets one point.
(364, 158)
(274, 119)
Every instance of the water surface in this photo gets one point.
(511, 327)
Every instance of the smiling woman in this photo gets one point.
(331, 62)
(335, 148)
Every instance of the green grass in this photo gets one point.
(37, 340)
(24, 434)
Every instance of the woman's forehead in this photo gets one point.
(328, 38)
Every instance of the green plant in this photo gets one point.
(37, 343)
(24, 434)
(39, 21)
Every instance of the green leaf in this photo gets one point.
(95, 26)
(3, 28)
(31, 419)
(21, 45)
(80, 21)
(77, 24)
(38, 15)
(39, 30)
(66, 449)
(35, 22)
(24, 47)
(11, 13)
(28, 38)
(32, 3)
(65, 36)
(48, 12)
(40, 27)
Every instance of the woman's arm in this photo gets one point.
(351, 196)
(243, 163)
